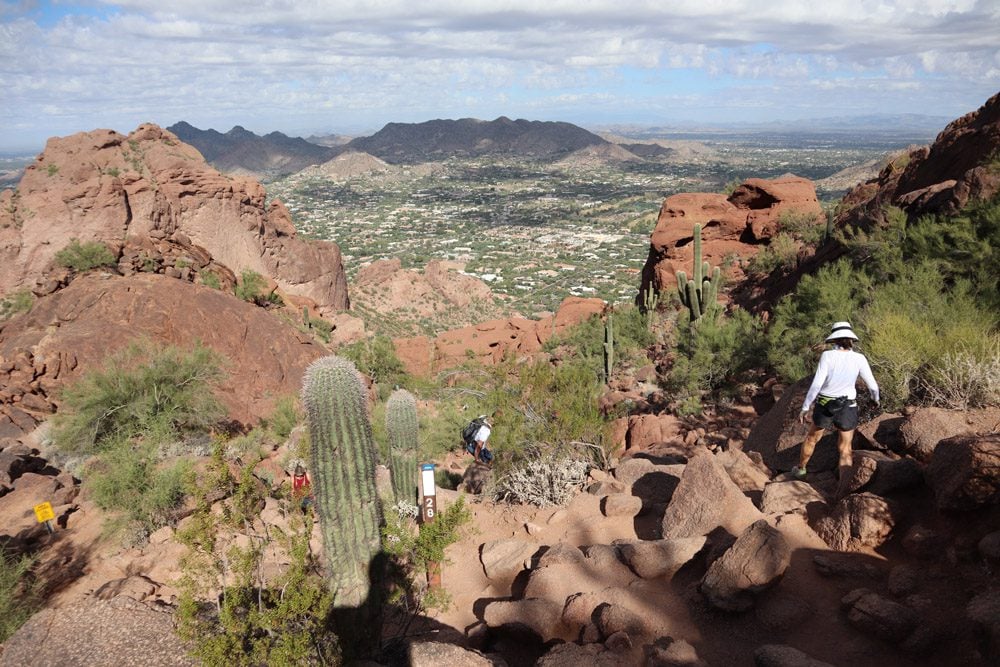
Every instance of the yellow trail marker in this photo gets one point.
(43, 512)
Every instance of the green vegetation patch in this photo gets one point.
(85, 256)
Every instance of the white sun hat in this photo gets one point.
(841, 330)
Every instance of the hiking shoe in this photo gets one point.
(798, 473)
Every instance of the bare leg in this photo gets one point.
(844, 445)
(809, 445)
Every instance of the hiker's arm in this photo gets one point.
(817, 384)
(869, 378)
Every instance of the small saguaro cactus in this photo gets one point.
(699, 294)
(343, 458)
(609, 347)
(401, 425)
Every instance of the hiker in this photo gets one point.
(475, 436)
(301, 487)
(833, 389)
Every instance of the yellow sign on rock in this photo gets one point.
(43, 512)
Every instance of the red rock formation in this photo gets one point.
(122, 190)
(489, 342)
(73, 330)
(941, 178)
(733, 225)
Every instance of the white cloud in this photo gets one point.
(371, 61)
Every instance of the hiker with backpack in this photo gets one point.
(834, 391)
(474, 436)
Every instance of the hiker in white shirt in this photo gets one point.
(481, 436)
(833, 390)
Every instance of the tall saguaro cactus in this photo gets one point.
(343, 458)
(699, 294)
(609, 347)
(401, 424)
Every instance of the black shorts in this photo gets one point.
(841, 413)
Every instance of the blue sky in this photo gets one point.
(307, 66)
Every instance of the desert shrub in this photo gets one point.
(145, 493)
(85, 256)
(585, 341)
(154, 393)
(209, 279)
(16, 303)
(376, 358)
(806, 227)
(541, 479)
(801, 320)
(427, 545)
(18, 600)
(781, 253)
(229, 610)
(285, 417)
(912, 326)
(252, 287)
(712, 355)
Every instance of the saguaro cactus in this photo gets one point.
(609, 347)
(343, 457)
(699, 294)
(401, 424)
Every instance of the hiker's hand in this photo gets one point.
(802, 416)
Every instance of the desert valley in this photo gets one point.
(171, 298)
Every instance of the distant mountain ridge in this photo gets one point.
(409, 143)
(239, 150)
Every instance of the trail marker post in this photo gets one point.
(428, 512)
(45, 515)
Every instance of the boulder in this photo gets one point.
(504, 559)
(785, 497)
(543, 617)
(883, 432)
(984, 611)
(648, 429)
(705, 499)
(875, 615)
(965, 472)
(621, 504)
(779, 655)
(746, 474)
(754, 563)
(432, 654)
(926, 427)
(660, 558)
(677, 653)
(613, 618)
(989, 546)
(857, 521)
(891, 474)
(574, 655)
(560, 554)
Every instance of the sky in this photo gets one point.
(304, 66)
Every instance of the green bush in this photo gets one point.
(129, 481)
(802, 320)
(85, 256)
(18, 600)
(781, 253)
(713, 355)
(16, 303)
(913, 325)
(209, 279)
(252, 287)
(285, 417)
(376, 358)
(153, 393)
(585, 341)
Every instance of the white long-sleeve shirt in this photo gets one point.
(836, 375)
(483, 434)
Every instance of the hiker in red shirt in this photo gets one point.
(301, 487)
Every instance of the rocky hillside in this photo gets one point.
(240, 151)
(129, 192)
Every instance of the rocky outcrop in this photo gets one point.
(125, 190)
(941, 178)
(754, 563)
(965, 472)
(74, 330)
(706, 499)
(489, 342)
(733, 225)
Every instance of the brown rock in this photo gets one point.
(965, 472)
(575, 655)
(873, 614)
(612, 618)
(660, 558)
(175, 190)
(621, 504)
(705, 499)
(926, 427)
(543, 617)
(648, 429)
(433, 654)
(861, 519)
(101, 314)
(792, 496)
(754, 563)
(779, 655)
(746, 474)
(503, 559)
(561, 554)
(678, 653)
